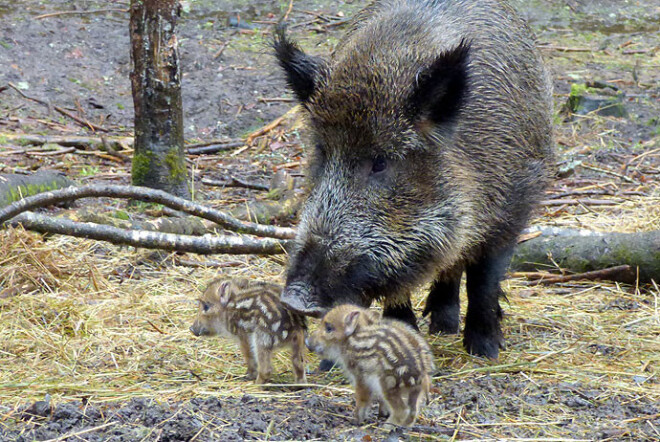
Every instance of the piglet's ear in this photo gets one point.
(440, 89)
(351, 322)
(302, 70)
(224, 292)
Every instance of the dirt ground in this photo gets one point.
(98, 348)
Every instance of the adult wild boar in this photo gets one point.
(430, 131)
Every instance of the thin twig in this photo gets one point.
(214, 148)
(92, 11)
(582, 201)
(234, 182)
(623, 273)
(221, 50)
(608, 172)
(264, 130)
(64, 112)
(81, 432)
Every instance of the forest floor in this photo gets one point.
(94, 340)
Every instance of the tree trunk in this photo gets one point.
(158, 160)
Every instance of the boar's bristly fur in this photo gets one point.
(429, 142)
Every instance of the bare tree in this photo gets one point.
(158, 159)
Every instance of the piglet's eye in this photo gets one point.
(205, 306)
(379, 165)
(329, 328)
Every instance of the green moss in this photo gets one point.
(121, 214)
(141, 166)
(176, 165)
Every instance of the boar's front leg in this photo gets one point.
(401, 311)
(483, 335)
(443, 302)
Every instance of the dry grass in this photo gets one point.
(106, 323)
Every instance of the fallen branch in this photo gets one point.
(583, 251)
(234, 182)
(204, 245)
(624, 273)
(115, 143)
(147, 195)
(92, 11)
(214, 148)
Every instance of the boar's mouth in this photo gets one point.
(297, 298)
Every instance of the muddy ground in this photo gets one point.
(81, 62)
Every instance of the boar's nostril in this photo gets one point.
(193, 330)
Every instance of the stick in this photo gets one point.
(623, 273)
(78, 433)
(221, 50)
(93, 11)
(584, 201)
(205, 245)
(118, 143)
(209, 263)
(608, 172)
(234, 182)
(264, 130)
(148, 195)
(214, 148)
(210, 142)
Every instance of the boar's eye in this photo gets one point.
(205, 306)
(379, 165)
(329, 328)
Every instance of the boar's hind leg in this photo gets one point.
(401, 311)
(443, 303)
(483, 335)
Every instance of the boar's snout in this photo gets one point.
(299, 298)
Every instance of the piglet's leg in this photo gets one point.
(249, 358)
(415, 396)
(264, 352)
(298, 356)
(399, 409)
(362, 401)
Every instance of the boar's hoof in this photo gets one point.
(444, 323)
(484, 345)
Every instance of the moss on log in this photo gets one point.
(582, 251)
(14, 187)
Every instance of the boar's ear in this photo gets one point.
(302, 70)
(351, 322)
(440, 89)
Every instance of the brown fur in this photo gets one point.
(385, 360)
(251, 312)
